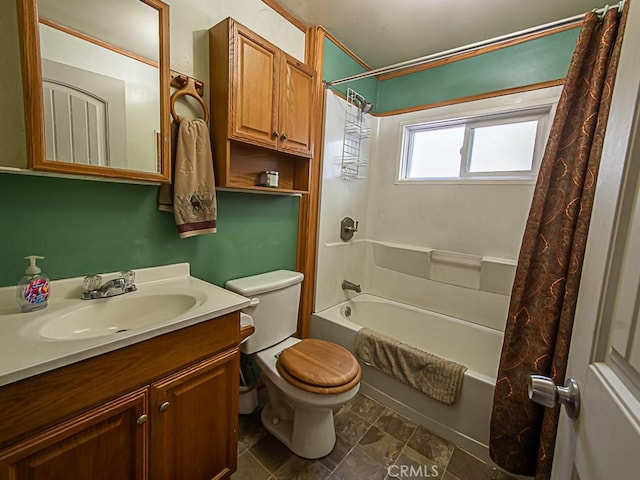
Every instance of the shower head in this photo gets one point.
(366, 107)
(354, 98)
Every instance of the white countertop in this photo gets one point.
(23, 353)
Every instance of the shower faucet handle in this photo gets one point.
(352, 229)
(347, 228)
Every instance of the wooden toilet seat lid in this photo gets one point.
(318, 366)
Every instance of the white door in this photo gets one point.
(76, 125)
(84, 116)
(604, 442)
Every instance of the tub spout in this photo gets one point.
(347, 285)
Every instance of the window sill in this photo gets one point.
(471, 181)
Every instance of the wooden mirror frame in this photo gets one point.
(34, 102)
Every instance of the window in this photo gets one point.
(506, 145)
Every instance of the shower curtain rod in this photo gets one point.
(471, 47)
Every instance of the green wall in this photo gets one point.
(337, 64)
(85, 227)
(535, 61)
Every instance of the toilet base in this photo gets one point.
(308, 432)
(300, 419)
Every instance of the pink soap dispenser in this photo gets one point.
(33, 289)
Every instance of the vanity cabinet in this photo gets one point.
(193, 434)
(261, 99)
(165, 408)
(105, 443)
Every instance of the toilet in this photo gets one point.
(305, 379)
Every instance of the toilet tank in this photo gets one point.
(275, 297)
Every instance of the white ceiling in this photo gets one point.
(384, 32)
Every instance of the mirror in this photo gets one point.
(96, 76)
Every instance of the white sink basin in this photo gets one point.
(110, 316)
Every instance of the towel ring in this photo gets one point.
(189, 86)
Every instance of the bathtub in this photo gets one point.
(466, 422)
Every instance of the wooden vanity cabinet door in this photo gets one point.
(105, 443)
(195, 421)
(254, 89)
(296, 99)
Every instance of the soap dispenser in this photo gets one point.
(33, 289)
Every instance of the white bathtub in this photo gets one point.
(466, 422)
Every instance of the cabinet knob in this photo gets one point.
(284, 136)
(164, 407)
(142, 419)
(275, 134)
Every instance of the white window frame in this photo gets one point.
(534, 105)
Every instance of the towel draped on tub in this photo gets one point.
(434, 376)
(193, 197)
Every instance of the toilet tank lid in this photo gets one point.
(264, 282)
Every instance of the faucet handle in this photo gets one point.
(352, 229)
(129, 277)
(91, 282)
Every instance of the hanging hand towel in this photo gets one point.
(194, 194)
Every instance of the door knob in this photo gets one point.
(275, 134)
(284, 136)
(544, 391)
(164, 407)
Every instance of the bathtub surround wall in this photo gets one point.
(442, 246)
(473, 230)
(456, 216)
(434, 245)
(441, 216)
(338, 260)
(91, 226)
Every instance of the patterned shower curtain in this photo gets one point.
(545, 289)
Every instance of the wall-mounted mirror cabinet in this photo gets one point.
(96, 90)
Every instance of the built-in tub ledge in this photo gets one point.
(488, 274)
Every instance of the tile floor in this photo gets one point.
(373, 443)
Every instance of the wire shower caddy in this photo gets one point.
(355, 132)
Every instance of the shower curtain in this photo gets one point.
(545, 289)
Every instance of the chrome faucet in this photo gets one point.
(116, 286)
(347, 285)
